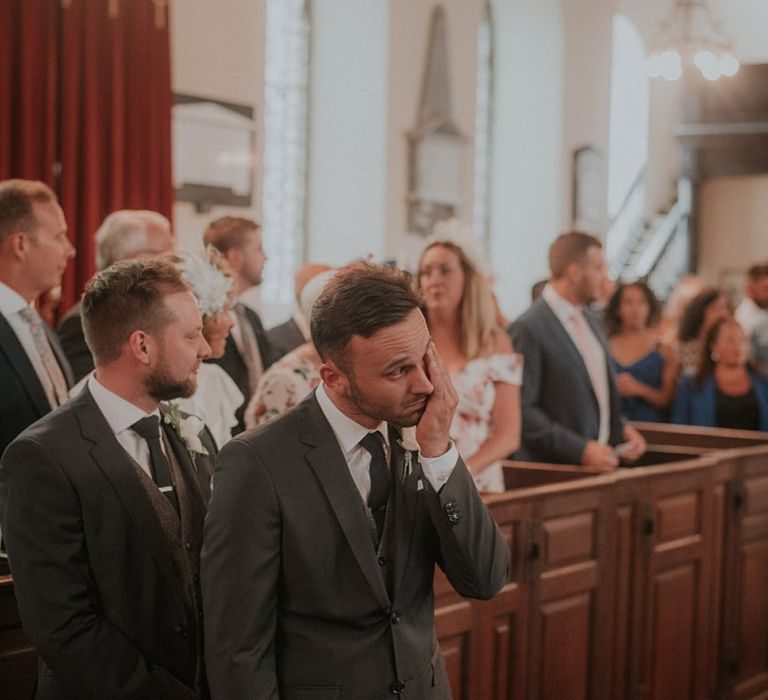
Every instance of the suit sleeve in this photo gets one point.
(473, 554)
(55, 592)
(541, 433)
(72, 339)
(240, 569)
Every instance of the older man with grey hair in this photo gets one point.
(123, 235)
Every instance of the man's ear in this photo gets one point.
(234, 258)
(334, 378)
(142, 347)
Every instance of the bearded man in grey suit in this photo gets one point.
(102, 502)
(325, 525)
(570, 403)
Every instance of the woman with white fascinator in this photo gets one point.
(217, 396)
(296, 374)
(455, 281)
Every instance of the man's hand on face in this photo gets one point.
(432, 430)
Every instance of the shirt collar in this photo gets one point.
(561, 306)
(11, 302)
(120, 414)
(347, 432)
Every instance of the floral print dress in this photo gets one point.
(471, 425)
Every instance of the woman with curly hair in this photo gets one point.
(724, 392)
(698, 316)
(646, 371)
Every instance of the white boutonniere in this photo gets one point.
(188, 429)
(408, 442)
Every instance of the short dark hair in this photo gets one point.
(17, 198)
(693, 314)
(570, 248)
(229, 232)
(360, 300)
(757, 272)
(612, 320)
(126, 297)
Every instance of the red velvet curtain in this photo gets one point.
(28, 83)
(89, 84)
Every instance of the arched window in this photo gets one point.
(286, 106)
(629, 113)
(483, 126)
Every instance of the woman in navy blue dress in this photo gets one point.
(646, 372)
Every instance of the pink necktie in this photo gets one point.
(586, 344)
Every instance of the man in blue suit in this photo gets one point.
(570, 404)
(34, 251)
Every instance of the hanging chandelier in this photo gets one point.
(691, 38)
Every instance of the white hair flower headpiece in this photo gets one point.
(460, 234)
(209, 284)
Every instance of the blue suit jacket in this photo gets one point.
(559, 406)
(696, 406)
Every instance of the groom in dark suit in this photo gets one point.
(325, 524)
(102, 502)
(570, 405)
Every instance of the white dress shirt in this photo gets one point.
(121, 415)
(565, 312)
(11, 303)
(750, 315)
(349, 433)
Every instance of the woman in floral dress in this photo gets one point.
(485, 370)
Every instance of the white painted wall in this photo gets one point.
(348, 130)
(219, 54)
(527, 159)
(733, 216)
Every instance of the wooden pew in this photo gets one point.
(649, 582)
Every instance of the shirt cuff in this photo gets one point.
(438, 470)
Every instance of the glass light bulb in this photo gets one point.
(653, 66)
(706, 61)
(729, 65)
(712, 72)
(671, 65)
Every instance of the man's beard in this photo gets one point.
(379, 412)
(161, 386)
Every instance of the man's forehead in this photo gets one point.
(409, 337)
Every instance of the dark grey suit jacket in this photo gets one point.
(70, 331)
(22, 397)
(94, 582)
(295, 598)
(559, 407)
(284, 338)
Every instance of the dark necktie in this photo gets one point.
(149, 429)
(379, 471)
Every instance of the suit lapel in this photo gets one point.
(17, 358)
(261, 337)
(194, 471)
(115, 464)
(330, 467)
(555, 330)
(406, 505)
